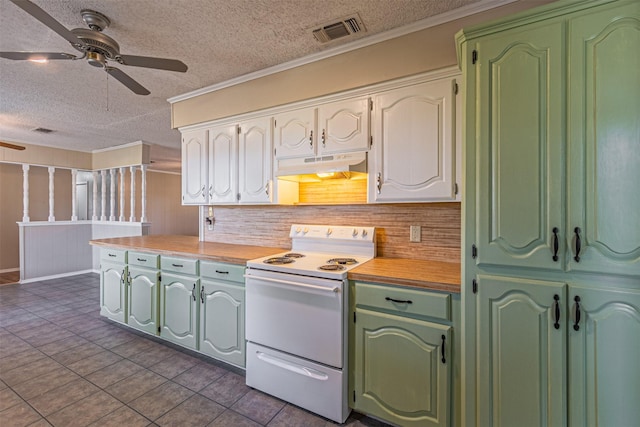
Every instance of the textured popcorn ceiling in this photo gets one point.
(217, 39)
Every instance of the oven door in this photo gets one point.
(295, 314)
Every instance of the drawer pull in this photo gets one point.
(399, 301)
(178, 265)
(112, 255)
(142, 259)
(222, 272)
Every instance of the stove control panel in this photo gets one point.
(306, 231)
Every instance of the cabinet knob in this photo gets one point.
(311, 139)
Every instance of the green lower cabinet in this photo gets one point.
(402, 371)
(604, 369)
(179, 305)
(222, 321)
(113, 291)
(143, 299)
(521, 356)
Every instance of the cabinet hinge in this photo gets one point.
(354, 317)
(275, 151)
(455, 188)
(474, 286)
(455, 88)
(275, 123)
(239, 130)
(158, 329)
(474, 56)
(370, 105)
(474, 251)
(354, 395)
(159, 277)
(370, 141)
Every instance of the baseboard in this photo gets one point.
(58, 276)
(9, 270)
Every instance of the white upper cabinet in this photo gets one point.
(332, 128)
(413, 155)
(223, 164)
(255, 161)
(194, 167)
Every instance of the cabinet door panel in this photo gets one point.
(399, 374)
(413, 144)
(294, 134)
(255, 168)
(223, 158)
(604, 101)
(179, 309)
(113, 300)
(604, 380)
(519, 116)
(343, 126)
(143, 299)
(194, 167)
(521, 357)
(222, 321)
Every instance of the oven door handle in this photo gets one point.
(334, 290)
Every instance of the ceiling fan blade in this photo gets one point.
(48, 20)
(150, 62)
(12, 146)
(133, 85)
(35, 56)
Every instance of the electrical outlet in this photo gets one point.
(414, 233)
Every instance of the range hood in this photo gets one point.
(306, 169)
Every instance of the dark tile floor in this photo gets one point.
(62, 364)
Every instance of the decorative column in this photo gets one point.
(25, 193)
(122, 172)
(94, 217)
(132, 218)
(103, 195)
(51, 193)
(143, 196)
(112, 205)
(74, 200)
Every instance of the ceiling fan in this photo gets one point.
(97, 48)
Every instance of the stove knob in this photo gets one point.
(306, 230)
(364, 232)
(329, 231)
(298, 230)
(355, 232)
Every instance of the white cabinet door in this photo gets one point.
(194, 167)
(179, 309)
(143, 299)
(223, 161)
(255, 161)
(294, 133)
(343, 126)
(113, 300)
(413, 157)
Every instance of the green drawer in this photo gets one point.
(144, 259)
(113, 255)
(179, 265)
(396, 299)
(222, 271)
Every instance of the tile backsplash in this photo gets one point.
(269, 226)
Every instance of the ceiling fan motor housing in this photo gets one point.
(97, 42)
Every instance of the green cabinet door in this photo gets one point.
(113, 291)
(143, 299)
(399, 374)
(519, 116)
(604, 358)
(179, 309)
(521, 356)
(222, 321)
(604, 139)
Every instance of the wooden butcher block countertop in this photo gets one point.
(189, 246)
(433, 275)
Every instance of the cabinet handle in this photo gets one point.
(379, 182)
(202, 294)
(576, 324)
(141, 259)
(399, 301)
(323, 139)
(112, 255)
(311, 139)
(211, 191)
(123, 277)
(178, 265)
(193, 292)
(266, 190)
(556, 244)
(577, 231)
(556, 298)
(444, 360)
(202, 191)
(222, 272)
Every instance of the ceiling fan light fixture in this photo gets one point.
(96, 59)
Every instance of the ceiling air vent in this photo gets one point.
(335, 30)
(42, 130)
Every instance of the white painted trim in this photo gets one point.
(119, 147)
(432, 21)
(81, 222)
(9, 270)
(58, 276)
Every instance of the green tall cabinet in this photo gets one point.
(551, 217)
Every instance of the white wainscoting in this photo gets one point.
(61, 248)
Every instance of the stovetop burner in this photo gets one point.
(331, 267)
(342, 261)
(278, 260)
(293, 255)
